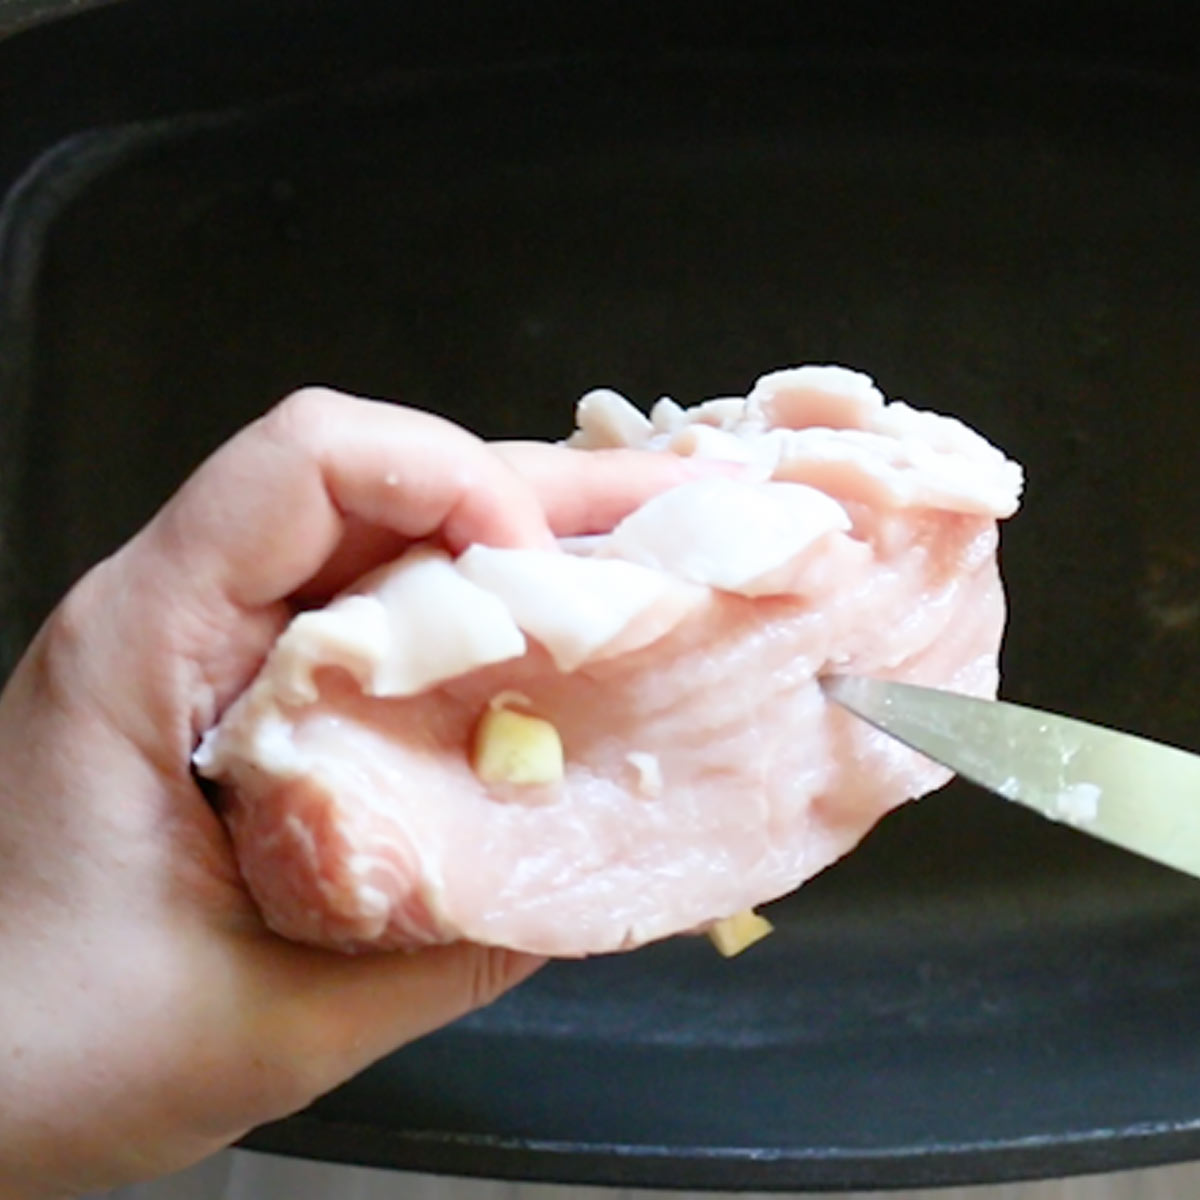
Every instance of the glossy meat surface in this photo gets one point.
(677, 656)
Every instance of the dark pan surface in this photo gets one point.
(974, 995)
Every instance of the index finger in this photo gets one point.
(263, 515)
(580, 491)
(590, 491)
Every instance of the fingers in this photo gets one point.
(589, 491)
(579, 492)
(326, 486)
(361, 548)
(341, 1014)
(265, 513)
(393, 999)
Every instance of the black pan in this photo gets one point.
(486, 210)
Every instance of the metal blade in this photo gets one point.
(1137, 794)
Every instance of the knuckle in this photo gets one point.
(68, 625)
(303, 416)
(490, 974)
(69, 633)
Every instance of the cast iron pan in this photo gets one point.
(229, 203)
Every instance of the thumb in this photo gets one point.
(338, 1015)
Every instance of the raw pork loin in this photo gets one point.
(702, 772)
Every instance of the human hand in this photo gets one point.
(147, 1016)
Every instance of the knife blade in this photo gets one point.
(1140, 795)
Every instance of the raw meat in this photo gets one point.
(677, 657)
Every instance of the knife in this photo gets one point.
(1132, 792)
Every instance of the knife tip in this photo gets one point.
(837, 687)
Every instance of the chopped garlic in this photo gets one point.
(734, 934)
(514, 747)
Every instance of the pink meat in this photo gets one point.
(678, 657)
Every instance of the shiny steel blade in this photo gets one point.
(1135, 793)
